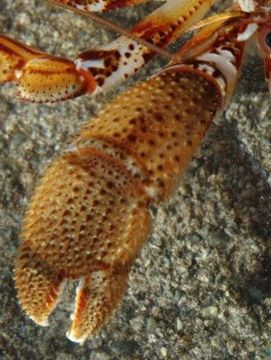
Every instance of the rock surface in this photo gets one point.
(201, 288)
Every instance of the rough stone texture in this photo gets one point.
(201, 288)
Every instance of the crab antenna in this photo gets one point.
(166, 54)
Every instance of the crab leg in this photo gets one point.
(98, 5)
(44, 78)
(264, 40)
(160, 28)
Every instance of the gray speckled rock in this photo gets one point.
(201, 288)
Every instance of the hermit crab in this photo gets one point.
(89, 216)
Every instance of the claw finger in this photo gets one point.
(38, 286)
(97, 297)
(51, 79)
(41, 77)
(13, 56)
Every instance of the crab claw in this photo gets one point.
(41, 77)
(87, 220)
(40, 288)
(51, 79)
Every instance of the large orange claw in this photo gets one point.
(88, 220)
(89, 217)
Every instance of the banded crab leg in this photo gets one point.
(44, 78)
(264, 41)
(261, 23)
(89, 217)
(98, 5)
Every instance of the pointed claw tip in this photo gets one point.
(71, 336)
(42, 322)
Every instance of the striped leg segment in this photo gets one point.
(125, 55)
(98, 5)
(264, 39)
(171, 20)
